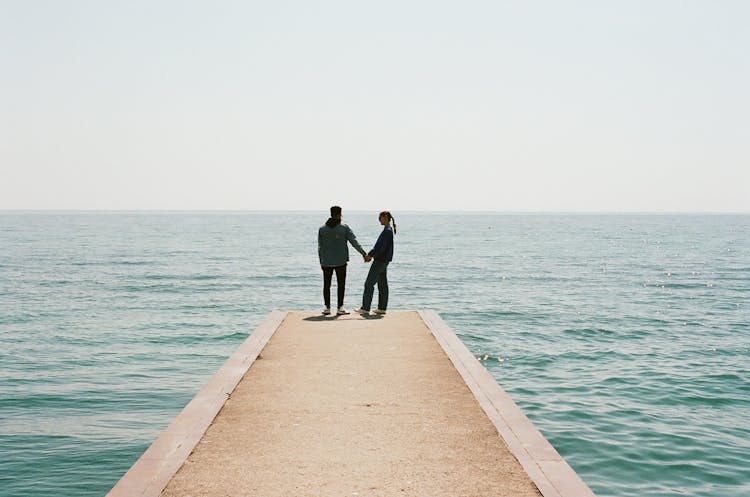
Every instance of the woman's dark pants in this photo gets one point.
(378, 274)
(340, 283)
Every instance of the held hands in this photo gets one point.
(367, 257)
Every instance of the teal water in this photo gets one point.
(625, 339)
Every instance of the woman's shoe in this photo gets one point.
(326, 311)
(379, 311)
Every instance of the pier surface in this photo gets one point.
(352, 406)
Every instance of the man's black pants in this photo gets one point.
(340, 284)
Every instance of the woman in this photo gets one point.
(382, 253)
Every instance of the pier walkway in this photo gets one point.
(351, 406)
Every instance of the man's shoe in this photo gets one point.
(341, 311)
(326, 311)
(363, 312)
(379, 311)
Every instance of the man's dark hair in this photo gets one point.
(335, 211)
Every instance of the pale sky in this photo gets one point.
(598, 105)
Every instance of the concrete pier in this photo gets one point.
(351, 406)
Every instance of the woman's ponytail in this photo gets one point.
(390, 220)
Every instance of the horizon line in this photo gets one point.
(441, 211)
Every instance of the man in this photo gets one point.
(333, 252)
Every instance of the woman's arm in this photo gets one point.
(381, 246)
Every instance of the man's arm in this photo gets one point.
(353, 240)
(319, 256)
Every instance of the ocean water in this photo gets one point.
(625, 338)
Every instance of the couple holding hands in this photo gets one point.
(333, 251)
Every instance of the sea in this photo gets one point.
(624, 338)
